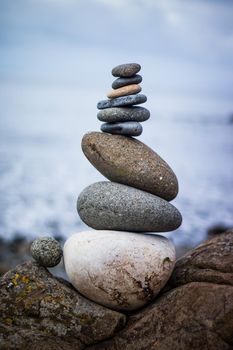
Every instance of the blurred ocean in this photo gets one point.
(42, 168)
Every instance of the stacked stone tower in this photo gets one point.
(120, 264)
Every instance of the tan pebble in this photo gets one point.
(124, 91)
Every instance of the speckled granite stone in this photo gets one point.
(46, 251)
(124, 114)
(124, 91)
(122, 101)
(126, 70)
(130, 162)
(113, 206)
(119, 82)
(125, 128)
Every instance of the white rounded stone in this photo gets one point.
(120, 270)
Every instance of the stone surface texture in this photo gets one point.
(188, 314)
(119, 82)
(123, 114)
(124, 91)
(126, 70)
(125, 128)
(113, 206)
(120, 270)
(196, 315)
(209, 262)
(47, 251)
(130, 162)
(41, 312)
(122, 101)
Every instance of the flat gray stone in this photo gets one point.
(119, 82)
(122, 101)
(123, 114)
(125, 128)
(113, 206)
(126, 70)
(130, 162)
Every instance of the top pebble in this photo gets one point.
(126, 70)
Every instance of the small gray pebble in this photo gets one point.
(123, 114)
(122, 101)
(46, 251)
(126, 128)
(120, 82)
(126, 70)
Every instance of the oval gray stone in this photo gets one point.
(113, 206)
(119, 82)
(130, 162)
(126, 128)
(123, 114)
(122, 101)
(126, 70)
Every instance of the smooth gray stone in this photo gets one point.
(122, 101)
(123, 114)
(126, 70)
(126, 128)
(113, 206)
(120, 82)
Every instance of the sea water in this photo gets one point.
(42, 168)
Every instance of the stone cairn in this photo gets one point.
(119, 264)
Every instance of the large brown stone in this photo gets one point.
(211, 262)
(195, 311)
(41, 312)
(195, 315)
(130, 162)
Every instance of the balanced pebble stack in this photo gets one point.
(120, 264)
(118, 111)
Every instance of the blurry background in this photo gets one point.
(56, 58)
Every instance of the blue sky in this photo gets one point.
(185, 47)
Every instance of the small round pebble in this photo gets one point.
(46, 251)
(123, 114)
(122, 101)
(126, 128)
(126, 70)
(120, 82)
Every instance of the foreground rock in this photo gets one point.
(112, 206)
(40, 311)
(196, 315)
(211, 262)
(130, 162)
(119, 270)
